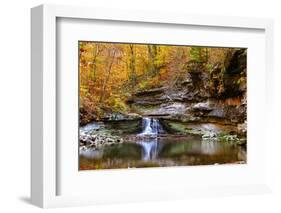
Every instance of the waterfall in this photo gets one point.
(151, 126)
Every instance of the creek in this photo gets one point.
(154, 147)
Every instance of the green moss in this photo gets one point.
(181, 128)
(124, 127)
(233, 139)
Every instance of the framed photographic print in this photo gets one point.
(130, 106)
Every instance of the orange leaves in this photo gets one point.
(111, 72)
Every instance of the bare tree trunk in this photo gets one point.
(132, 66)
(152, 54)
(106, 79)
(95, 55)
(206, 55)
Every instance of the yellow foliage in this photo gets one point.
(110, 72)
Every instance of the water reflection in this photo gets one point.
(154, 148)
(91, 154)
(167, 150)
(150, 148)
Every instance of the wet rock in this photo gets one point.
(230, 138)
(210, 136)
(86, 139)
(233, 139)
(242, 141)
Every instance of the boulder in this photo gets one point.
(202, 107)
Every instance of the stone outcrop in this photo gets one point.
(98, 140)
(214, 96)
(209, 103)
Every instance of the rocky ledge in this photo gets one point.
(208, 131)
(211, 137)
(98, 140)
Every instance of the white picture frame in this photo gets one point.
(44, 135)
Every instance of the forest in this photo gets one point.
(133, 96)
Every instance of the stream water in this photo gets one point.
(154, 148)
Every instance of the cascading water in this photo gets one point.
(151, 128)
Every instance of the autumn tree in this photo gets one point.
(199, 54)
(132, 66)
(152, 57)
(112, 72)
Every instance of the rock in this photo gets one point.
(206, 93)
(98, 140)
(172, 108)
(230, 139)
(235, 61)
(187, 80)
(93, 126)
(86, 139)
(133, 126)
(242, 141)
(83, 148)
(121, 117)
(109, 140)
(93, 145)
(242, 128)
(209, 136)
(218, 113)
(194, 128)
(202, 107)
(119, 140)
(150, 92)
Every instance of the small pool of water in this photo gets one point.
(161, 151)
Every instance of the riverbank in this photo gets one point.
(210, 101)
(97, 135)
(154, 147)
